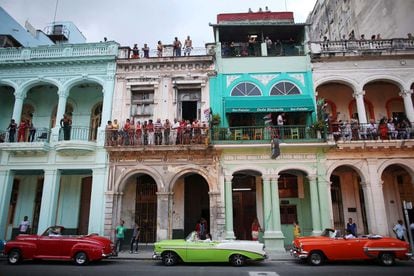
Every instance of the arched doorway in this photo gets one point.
(348, 199)
(294, 203)
(397, 188)
(139, 205)
(246, 186)
(191, 202)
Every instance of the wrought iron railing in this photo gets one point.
(186, 136)
(77, 133)
(36, 135)
(264, 134)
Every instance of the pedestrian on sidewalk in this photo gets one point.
(134, 239)
(119, 237)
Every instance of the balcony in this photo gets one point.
(16, 55)
(76, 140)
(360, 48)
(126, 52)
(34, 143)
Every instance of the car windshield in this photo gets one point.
(193, 236)
(328, 232)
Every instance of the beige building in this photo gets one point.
(333, 19)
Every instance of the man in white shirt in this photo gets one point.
(174, 130)
(24, 226)
(399, 230)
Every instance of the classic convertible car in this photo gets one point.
(332, 246)
(53, 244)
(194, 250)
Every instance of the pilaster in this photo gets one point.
(163, 217)
(228, 193)
(97, 204)
(316, 216)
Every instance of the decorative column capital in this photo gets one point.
(405, 93)
(358, 93)
(228, 178)
(19, 94)
(63, 93)
(312, 177)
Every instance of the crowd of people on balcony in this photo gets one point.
(385, 129)
(152, 133)
(23, 132)
(176, 45)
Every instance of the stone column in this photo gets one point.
(97, 204)
(6, 180)
(316, 216)
(63, 96)
(273, 237)
(378, 203)
(108, 94)
(359, 98)
(325, 203)
(49, 205)
(18, 106)
(408, 104)
(366, 188)
(267, 206)
(228, 194)
(214, 212)
(163, 214)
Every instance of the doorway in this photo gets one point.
(244, 205)
(85, 203)
(189, 110)
(146, 208)
(196, 202)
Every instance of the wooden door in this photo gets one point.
(85, 203)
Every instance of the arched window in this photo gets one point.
(284, 88)
(246, 89)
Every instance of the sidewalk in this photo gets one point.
(145, 253)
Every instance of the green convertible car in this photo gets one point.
(194, 250)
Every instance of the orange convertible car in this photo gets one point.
(331, 246)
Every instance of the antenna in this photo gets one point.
(285, 6)
(54, 17)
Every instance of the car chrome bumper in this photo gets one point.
(156, 256)
(299, 254)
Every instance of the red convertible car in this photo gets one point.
(54, 245)
(332, 246)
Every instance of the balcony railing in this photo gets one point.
(264, 134)
(77, 133)
(130, 138)
(241, 49)
(126, 52)
(58, 51)
(361, 47)
(382, 131)
(39, 135)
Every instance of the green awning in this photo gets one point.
(268, 104)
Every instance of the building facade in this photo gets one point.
(52, 172)
(163, 177)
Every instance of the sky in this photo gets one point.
(144, 21)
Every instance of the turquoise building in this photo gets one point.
(55, 175)
(264, 74)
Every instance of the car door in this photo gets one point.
(343, 249)
(200, 251)
(48, 247)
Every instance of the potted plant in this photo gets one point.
(215, 119)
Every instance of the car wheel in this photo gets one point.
(14, 256)
(169, 258)
(387, 259)
(237, 260)
(81, 258)
(316, 258)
